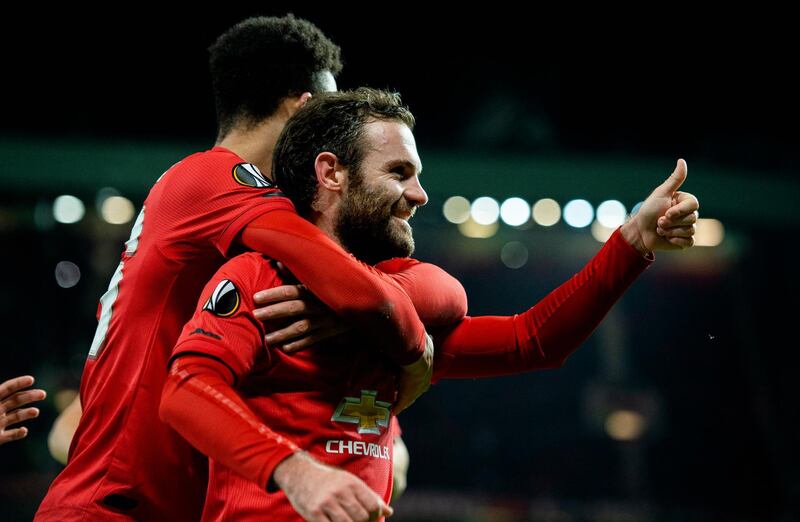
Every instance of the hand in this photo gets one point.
(11, 398)
(665, 220)
(313, 321)
(415, 378)
(322, 493)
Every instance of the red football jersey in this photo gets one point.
(204, 376)
(123, 459)
(334, 402)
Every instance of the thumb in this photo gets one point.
(674, 181)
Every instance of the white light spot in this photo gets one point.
(546, 212)
(515, 212)
(485, 210)
(68, 209)
(67, 274)
(456, 209)
(514, 254)
(611, 213)
(117, 210)
(578, 213)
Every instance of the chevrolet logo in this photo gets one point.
(369, 414)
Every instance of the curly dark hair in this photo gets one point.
(330, 122)
(261, 60)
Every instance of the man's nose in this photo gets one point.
(415, 193)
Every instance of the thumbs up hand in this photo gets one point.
(665, 220)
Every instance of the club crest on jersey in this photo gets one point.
(369, 414)
(248, 175)
(224, 301)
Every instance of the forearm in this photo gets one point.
(549, 332)
(227, 430)
(357, 292)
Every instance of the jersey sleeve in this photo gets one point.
(438, 297)
(219, 346)
(226, 429)
(223, 326)
(548, 333)
(208, 198)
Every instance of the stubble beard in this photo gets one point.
(367, 228)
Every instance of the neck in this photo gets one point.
(255, 144)
(325, 224)
(325, 209)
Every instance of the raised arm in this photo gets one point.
(546, 334)
(550, 331)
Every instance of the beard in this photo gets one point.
(367, 228)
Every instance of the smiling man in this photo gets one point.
(273, 418)
(274, 422)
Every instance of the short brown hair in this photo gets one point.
(329, 122)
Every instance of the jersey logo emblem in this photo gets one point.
(248, 175)
(369, 414)
(224, 301)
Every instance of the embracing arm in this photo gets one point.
(357, 292)
(438, 297)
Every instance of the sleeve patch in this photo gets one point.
(224, 301)
(248, 175)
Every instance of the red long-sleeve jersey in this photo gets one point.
(124, 462)
(542, 337)
(334, 401)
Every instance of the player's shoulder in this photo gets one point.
(209, 160)
(245, 274)
(255, 259)
(397, 264)
(219, 161)
(249, 266)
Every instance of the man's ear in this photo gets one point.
(291, 104)
(331, 175)
(300, 101)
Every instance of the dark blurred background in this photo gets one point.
(682, 406)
